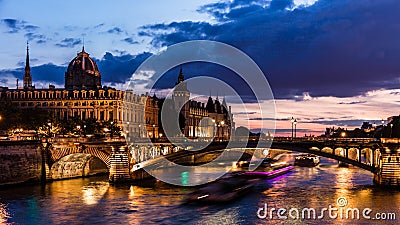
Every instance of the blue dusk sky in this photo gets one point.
(329, 63)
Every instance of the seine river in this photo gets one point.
(93, 201)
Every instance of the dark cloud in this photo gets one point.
(130, 41)
(332, 48)
(118, 69)
(31, 60)
(115, 30)
(245, 113)
(114, 69)
(15, 25)
(268, 118)
(99, 25)
(39, 38)
(352, 103)
(279, 130)
(350, 123)
(69, 42)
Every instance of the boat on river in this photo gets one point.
(221, 191)
(306, 160)
(270, 173)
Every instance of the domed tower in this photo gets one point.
(82, 72)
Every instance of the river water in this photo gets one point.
(93, 201)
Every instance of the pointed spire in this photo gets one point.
(181, 78)
(83, 43)
(225, 107)
(27, 55)
(27, 75)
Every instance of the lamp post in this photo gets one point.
(222, 130)
(49, 128)
(391, 129)
(43, 154)
(154, 128)
(292, 121)
(84, 130)
(383, 126)
(139, 130)
(213, 129)
(112, 129)
(79, 130)
(343, 134)
(295, 127)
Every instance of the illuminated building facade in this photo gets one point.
(202, 120)
(84, 97)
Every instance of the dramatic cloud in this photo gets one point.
(329, 48)
(69, 42)
(115, 30)
(115, 70)
(130, 41)
(15, 25)
(38, 38)
(118, 69)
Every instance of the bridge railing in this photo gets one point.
(390, 140)
(325, 139)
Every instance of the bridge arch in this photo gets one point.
(353, 154)
(68, 161)
(340, 152)
(324, 149)
(77, 165)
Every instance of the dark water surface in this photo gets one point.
(94, 201)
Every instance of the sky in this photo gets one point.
(329, 63)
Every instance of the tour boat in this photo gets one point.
(269, 174)
(221, 191)
(307, 160)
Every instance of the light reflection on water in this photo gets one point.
(94, 201)
(4, 215)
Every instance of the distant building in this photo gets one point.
(202, 120)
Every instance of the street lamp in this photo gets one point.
(222, 130)
(343, 134)
(139, 130)
(295, 126)
(49, 128)
(292, 121)
(383, 126)
(112, 129)
(213, 129)
(391, 129)
(79, 129)
(45, 144)
(127, 135)
(154, 133)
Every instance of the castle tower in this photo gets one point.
(181, 94)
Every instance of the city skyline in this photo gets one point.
(350, 75)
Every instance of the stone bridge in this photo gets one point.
(79, 157)
(76, 158)
(379, 156)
